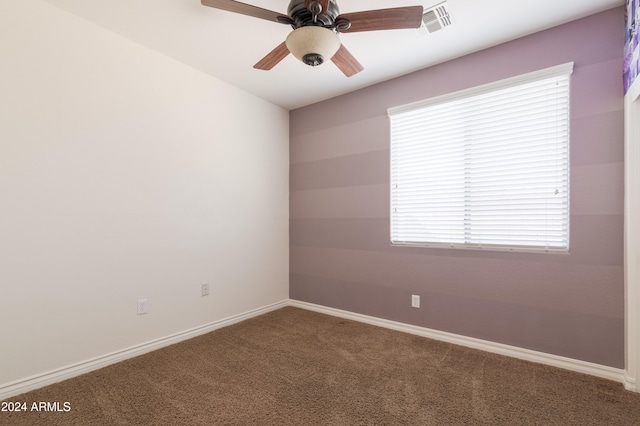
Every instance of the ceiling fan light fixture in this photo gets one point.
(313, 44)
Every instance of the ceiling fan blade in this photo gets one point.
(346, 62)
(243, 9)
(323, 3)
(384, 19)
(273, 58)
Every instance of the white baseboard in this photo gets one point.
(630, 383)
(11, 389)
(610, 373)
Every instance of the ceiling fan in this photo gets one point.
(316, 24)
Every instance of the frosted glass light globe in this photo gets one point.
(313, 45)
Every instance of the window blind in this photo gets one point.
(484, 168)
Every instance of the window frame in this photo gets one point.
(547, 73)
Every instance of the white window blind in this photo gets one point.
(486, 167)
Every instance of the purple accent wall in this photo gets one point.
(564, 304)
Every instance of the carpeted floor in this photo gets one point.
(296, 367)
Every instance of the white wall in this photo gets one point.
(632, 236)
(126, 175)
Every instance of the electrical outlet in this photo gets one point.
(205, 289)
(415, 301)
(143, 306)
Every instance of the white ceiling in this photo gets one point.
(227, 45)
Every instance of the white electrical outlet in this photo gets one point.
(143, 306)
(205, 289)
(415, 301)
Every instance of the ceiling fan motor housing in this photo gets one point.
(303, 16)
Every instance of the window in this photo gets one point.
(486, 167)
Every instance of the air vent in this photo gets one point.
(436, 18)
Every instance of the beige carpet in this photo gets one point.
(295, 367)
